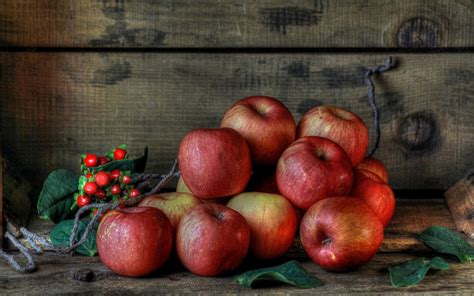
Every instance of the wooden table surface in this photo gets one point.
(85, 275)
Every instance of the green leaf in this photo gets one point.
(444, 240)
(136, 165)
(413, 271)
(82, 181)
(292, 273)
(61, 232)
(56, 197)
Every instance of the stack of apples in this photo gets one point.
(247, 187)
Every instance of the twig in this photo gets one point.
(101, 209)
(30, 266)
(38, 243)
(371, 94)
(164, 181)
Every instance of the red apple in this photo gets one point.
(375, 193)
(341, 233)
(174, 204)
(182, 187)
(214, 162)
(342, 126)
(263, 181)
(134, 241)
(375, 166)
(311, 169)
(265, 123)
(272, 222)
(212, 239)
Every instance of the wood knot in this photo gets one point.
(418, 32)
(470, 216)
(418, 133)
(87, 275)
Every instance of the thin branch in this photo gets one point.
(371, 95)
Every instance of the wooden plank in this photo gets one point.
(81, 275)
(2, 95)
(18, 194)
(78, 274)
(1, 200)
(59, 105)
(411, 218)
(460, 200)
(248, 23)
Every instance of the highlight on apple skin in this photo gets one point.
(377, 194)
(311, 169)
(212, 239)
(265, 123)
(174, 204)
(214, 163)
(339, 125)
(272, 220)
(341, 233)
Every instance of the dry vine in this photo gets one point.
(38, 243)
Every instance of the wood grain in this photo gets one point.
(59, 105)
(248, 23)
(1, 198)
(411, 218)
(17, 192)
(80, 274)
(460, 200)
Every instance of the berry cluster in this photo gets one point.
(99, 185)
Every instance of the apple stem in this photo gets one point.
(371, 94)
(38, 242)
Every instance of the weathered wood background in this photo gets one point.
(66, 87)
(237, 23)
(86, 75)
(61, 104)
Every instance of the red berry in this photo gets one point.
(90, 160)
(90, 188)
(115, 174)
(83, 200)
(126, 180)
(115, 189)
(102, 160)
(119, 153)
(89, 175)
(102, 178)
(100, 194)
(134, 193)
